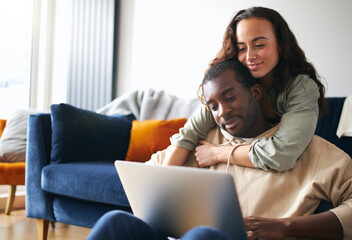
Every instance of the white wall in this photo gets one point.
(167, 44)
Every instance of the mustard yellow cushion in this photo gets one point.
(150, 136)
(2, 126)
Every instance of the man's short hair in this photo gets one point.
(242, 73)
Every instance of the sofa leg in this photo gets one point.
(42, 228)
(10, 199)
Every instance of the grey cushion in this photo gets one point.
(14, 138)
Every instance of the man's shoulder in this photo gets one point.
(218, 136)
(326, 150)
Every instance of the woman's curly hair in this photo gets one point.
(292, 58)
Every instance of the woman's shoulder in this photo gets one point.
(303, 91)
(302, 83)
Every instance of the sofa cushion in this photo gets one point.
(150, 136)
(13, 140)
(93, 181)
(327, 125)
(80, 212)
(82, 135)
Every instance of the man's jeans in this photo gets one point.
(119, 225)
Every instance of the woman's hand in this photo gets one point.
(208, 154)
(265, 228)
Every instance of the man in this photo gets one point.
(282, 203)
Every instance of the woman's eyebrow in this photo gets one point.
(259, 38)
(254, 39)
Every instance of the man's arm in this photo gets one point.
(318, 226)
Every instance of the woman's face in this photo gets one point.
(257, 46)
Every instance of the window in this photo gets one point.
(15, 49)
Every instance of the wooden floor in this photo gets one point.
(18, 227)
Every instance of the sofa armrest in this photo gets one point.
(38, 202)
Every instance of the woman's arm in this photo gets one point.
(196, 128)
(208, 154)
(299, 105)
(318, 226)
(279, 152)
(175, 156)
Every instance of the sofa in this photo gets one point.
(70, 176)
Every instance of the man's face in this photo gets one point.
(234, 107)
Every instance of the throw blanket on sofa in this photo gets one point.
(345, 124)
(152, 104)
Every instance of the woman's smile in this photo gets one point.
(254, 66)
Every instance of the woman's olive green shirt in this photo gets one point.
(299, 110)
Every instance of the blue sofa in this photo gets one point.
(76, 182)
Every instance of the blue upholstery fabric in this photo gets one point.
(41, 204)
(38, 156)
(327, 125)
(82, 136)
(96, 181)
(80, 212)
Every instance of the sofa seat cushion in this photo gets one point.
(93, 181)
(80, 212)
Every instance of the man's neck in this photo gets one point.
(259, 127)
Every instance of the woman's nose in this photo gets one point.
(251, 54)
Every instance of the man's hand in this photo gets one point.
(208, 154)
(265, 228)
(324, 225)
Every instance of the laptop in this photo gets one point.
(176, 199)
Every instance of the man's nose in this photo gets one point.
(224, 110)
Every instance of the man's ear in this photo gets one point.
(256, 91)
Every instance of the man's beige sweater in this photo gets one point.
(323, 172)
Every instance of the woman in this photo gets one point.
(293, 96)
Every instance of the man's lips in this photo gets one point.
(229, 124)
(254, 66)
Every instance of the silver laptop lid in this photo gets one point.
(177, 199)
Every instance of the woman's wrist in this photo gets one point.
(175, 156)
(240, 156)
(223, 153)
